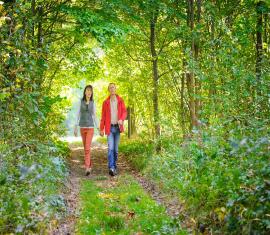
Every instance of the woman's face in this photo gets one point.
(88, 92)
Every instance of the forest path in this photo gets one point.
(100, 177)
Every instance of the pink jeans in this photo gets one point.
(87, 136)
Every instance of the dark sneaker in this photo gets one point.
(111, 172)
(88, 171)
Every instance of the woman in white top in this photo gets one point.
(86, 120)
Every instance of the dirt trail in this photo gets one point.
(100, 171)
(77, 173)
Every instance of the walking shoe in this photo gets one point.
(88, 171)
(111, 172)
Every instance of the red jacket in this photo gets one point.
(105, 121)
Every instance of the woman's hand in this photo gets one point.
(76, 131)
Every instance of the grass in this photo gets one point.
(223, 183)
(121, 208)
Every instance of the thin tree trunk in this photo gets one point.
(39, 32)
(196, 57)
(182, 99)
(190, 74)
(259, 45)
(155, 74)
(265, 37)
(33, 9)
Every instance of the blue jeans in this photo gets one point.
(113, 142)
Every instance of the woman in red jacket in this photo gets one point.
(112, 119)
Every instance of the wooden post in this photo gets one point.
(129, 122)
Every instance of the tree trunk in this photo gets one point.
(265, 37)
(33, 9)
(182, 98)
(196, 57)
(190, 74)
(39, 32)
(155, 74)
(259, 45)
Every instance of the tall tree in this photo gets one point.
(153, 22)
(259, 43)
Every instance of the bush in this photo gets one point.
(224, 179)
(31, 176)
(137, 152)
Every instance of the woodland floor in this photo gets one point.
(69, 224)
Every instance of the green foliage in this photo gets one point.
(223, 179)
(96, 19)
(137, 152)
(46, 47)
(31, 176)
